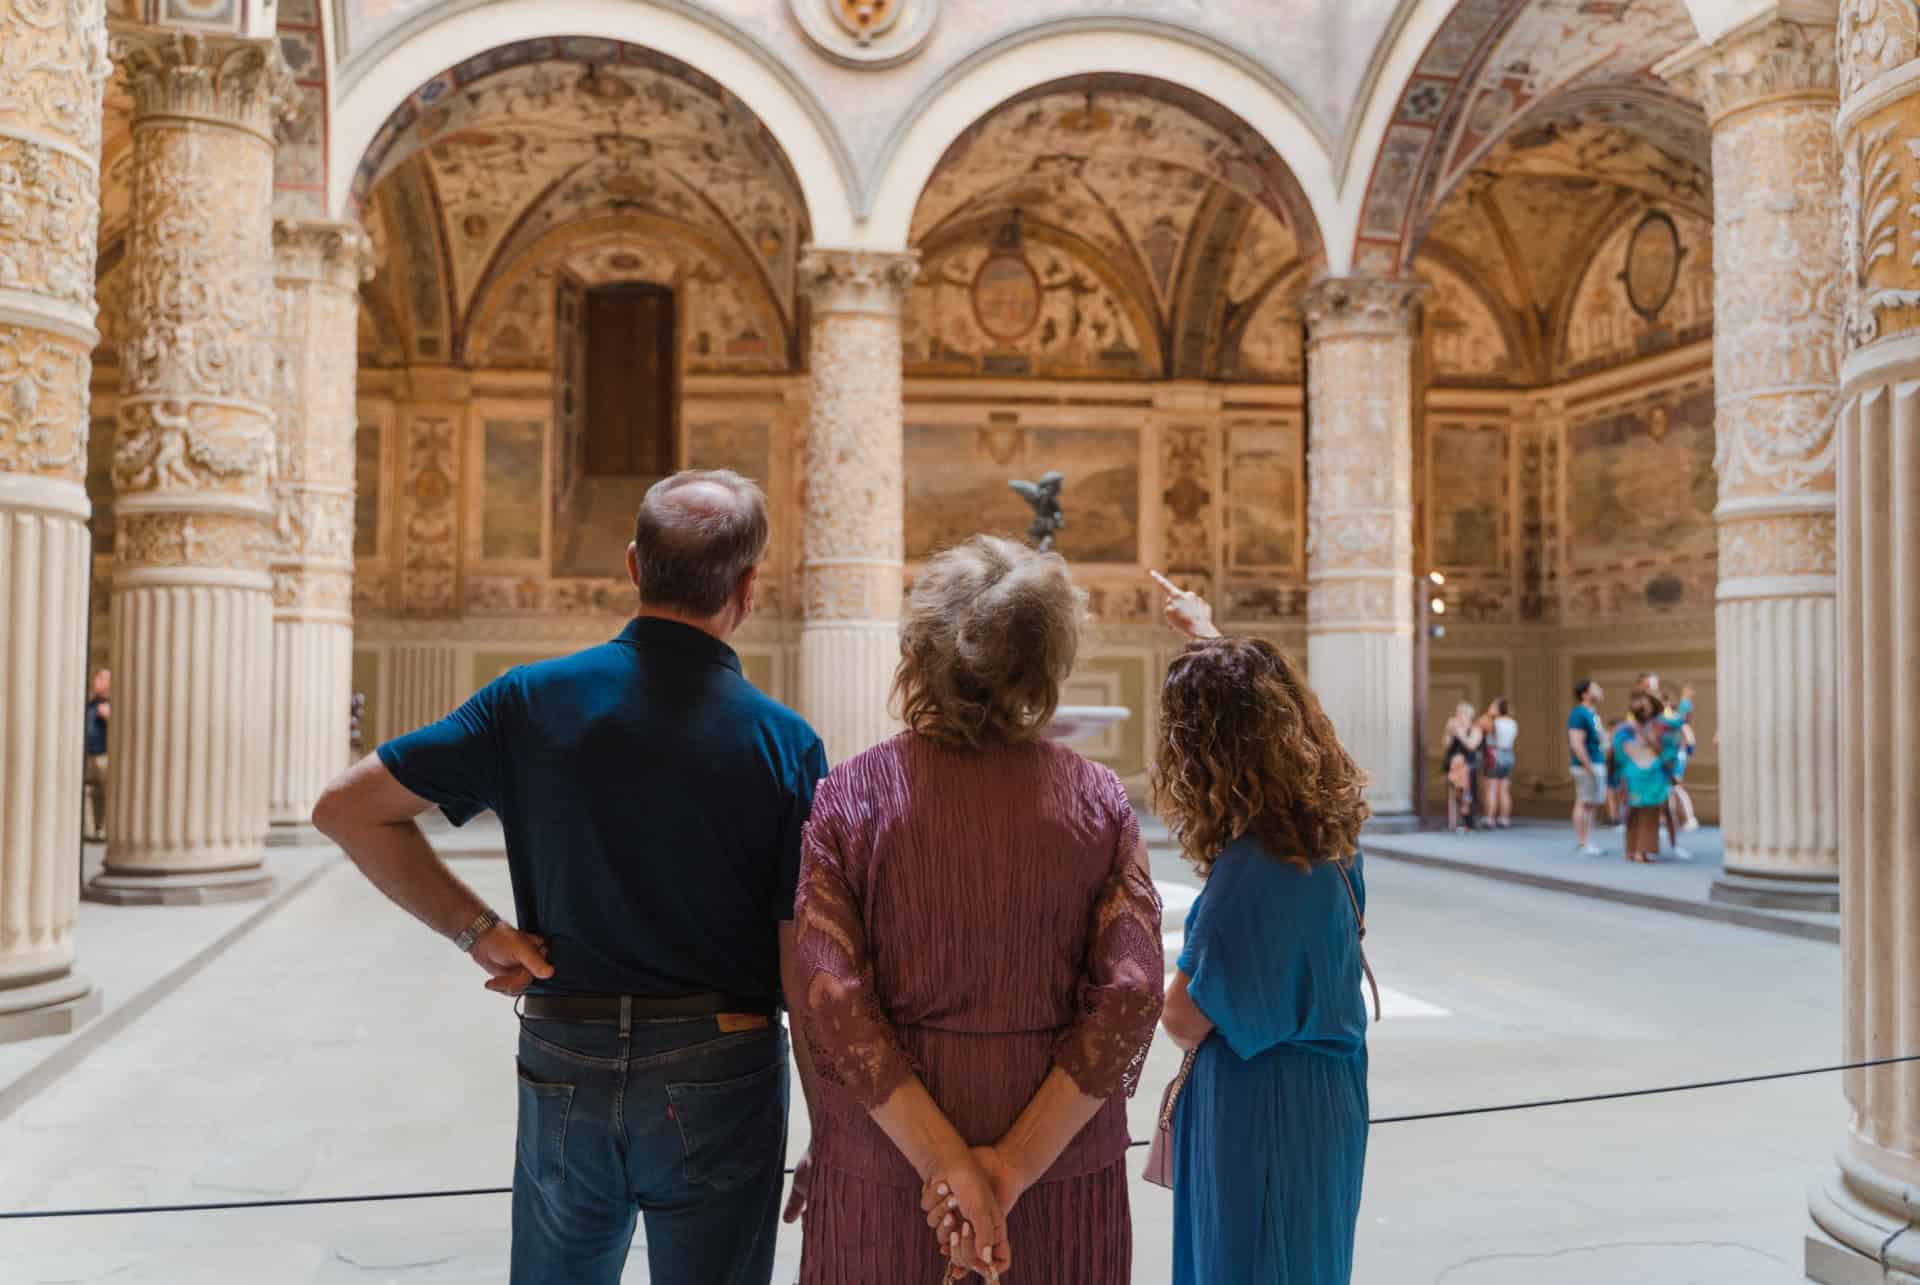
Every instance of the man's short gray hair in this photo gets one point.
(698, 533)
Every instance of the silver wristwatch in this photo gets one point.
(479, 928)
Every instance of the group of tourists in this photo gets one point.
(960, 921)
(1478, 760)
(1636, 771)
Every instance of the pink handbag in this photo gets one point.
(1159, 1169)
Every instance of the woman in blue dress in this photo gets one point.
(1270, 1131)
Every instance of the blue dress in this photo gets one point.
(1270, 1134)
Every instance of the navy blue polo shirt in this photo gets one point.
(652, 800)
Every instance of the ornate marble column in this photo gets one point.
(1361, 334)
(53, 64)
(194, 472)
(318, 268)
(852, 542)
(1770, 94)
(1875, 1191)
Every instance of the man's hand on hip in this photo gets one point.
(513, 959)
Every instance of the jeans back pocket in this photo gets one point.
(731, 1129)
(540, 1144)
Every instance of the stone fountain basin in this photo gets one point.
(1073, 723)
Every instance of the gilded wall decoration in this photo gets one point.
(747, 449)
(1264, 463)
(1605, 328)
(1081, 324)
(1189, 469)
(1469, 503)
(430, 515)
(1640, 503)
(956, 486)
(513, 489)
(369, 484)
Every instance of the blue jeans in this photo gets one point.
(674, 1120)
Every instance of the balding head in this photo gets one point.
(698, 534)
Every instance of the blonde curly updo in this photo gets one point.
(991, 632)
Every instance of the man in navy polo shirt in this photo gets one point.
(652, 801)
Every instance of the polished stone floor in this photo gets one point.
(337, 1048)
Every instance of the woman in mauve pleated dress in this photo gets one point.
(979, 958)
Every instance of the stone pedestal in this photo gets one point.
(1874, 1192)
(1360, 620)
(853, 541)
(317, 268)
(1770, 92)
(53, 62)
(194, 471)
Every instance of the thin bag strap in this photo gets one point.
(1173, 1090)
(1347, 882)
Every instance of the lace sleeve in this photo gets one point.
(853, 1044)
(1122, 990)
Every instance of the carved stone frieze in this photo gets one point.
(179, 444)
(189, 76)
(1880, 231)
(53, 69)
(338, 255)
(1756, 546)
(1757, 63)
(43, 402)
(857, 281)
(1875, 37)
(307, 590)
(852, 532)
(49, 221)
(148, 539)
(313, 527)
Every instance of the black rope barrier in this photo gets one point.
(1535, 1105)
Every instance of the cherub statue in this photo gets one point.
(1044, 498)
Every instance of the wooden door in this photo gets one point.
(631, 388)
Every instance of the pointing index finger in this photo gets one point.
(1166, 584)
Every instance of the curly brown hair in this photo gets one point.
(991, 632)
(1244, 748)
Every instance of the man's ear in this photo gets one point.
(633, 563)
(749, 585)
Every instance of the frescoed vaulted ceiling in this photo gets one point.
(496, 153)
(1500, 69)
(1166, 199)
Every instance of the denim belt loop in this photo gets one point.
(626, 1016)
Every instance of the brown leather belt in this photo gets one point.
(637, 1008)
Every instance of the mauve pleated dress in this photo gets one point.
(976, 918)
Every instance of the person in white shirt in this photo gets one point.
(1496, 781)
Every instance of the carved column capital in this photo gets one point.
(220, 79)
(1376, 307)
(1767, 60)
(339, 255)
(857, 281)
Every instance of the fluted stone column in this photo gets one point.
(318, 268)
(853, 542)
(1770, 94)
(1361, 334)
(1875, 1189)
(194, 472)
(53, 64)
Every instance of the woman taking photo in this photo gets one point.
(1269, 1132)
(978, 948)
